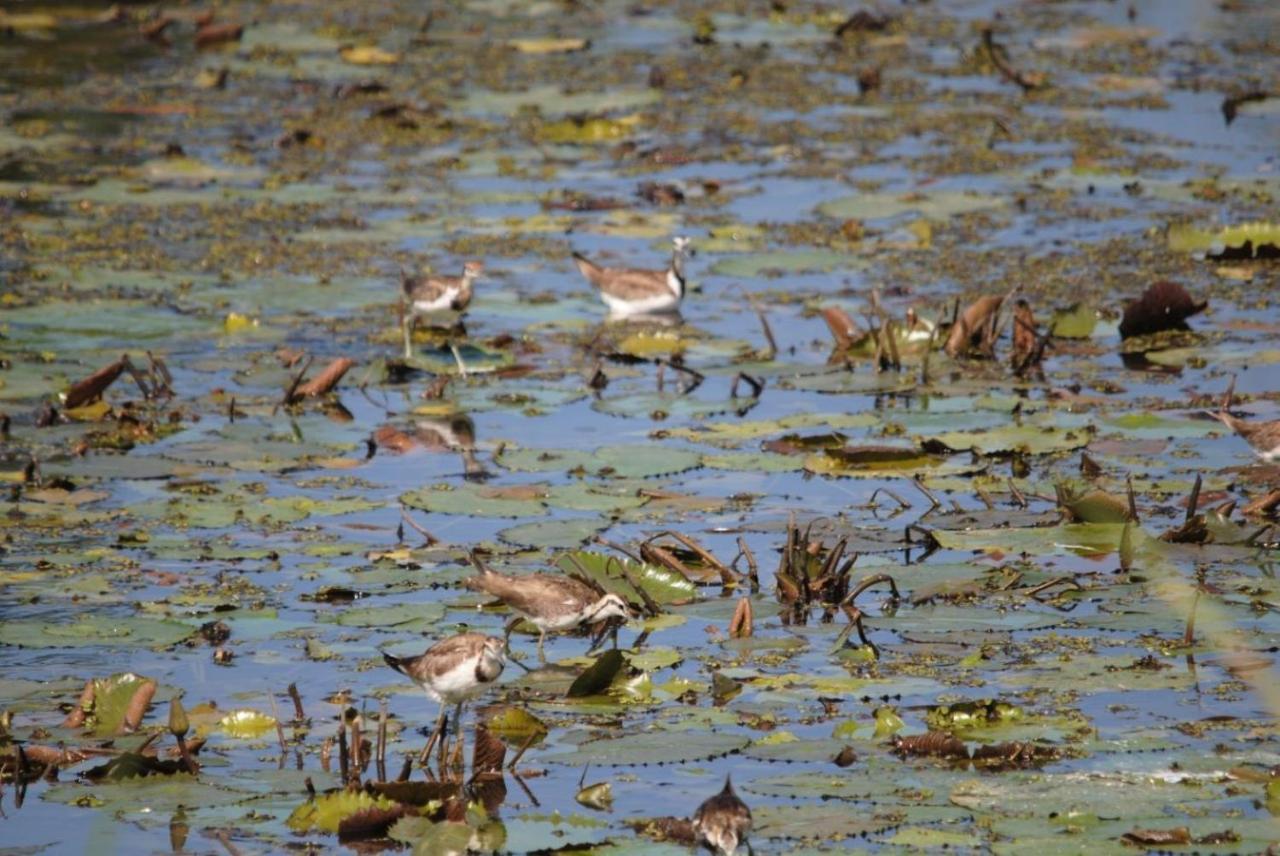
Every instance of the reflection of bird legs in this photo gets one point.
(458, 758)
(425, 757)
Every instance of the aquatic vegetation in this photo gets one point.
(931, 522)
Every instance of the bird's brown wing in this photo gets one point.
(535, 594)
(632, 284)
(429, 288)
(443, 657)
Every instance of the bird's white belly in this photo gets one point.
(555, 622)
(456, 684)
(655, 305)
(440, 304)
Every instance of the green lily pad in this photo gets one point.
(650, 747)
(95, 630)
(617, 574)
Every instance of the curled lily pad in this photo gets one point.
(621, 575)
(327, 811)
(247, 724)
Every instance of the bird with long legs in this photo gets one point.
(550, 602)
(631, 292)
(450, 672)
(436, 297)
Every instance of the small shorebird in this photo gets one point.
(435, 295)
(723, 821)
(450, 672)
(549, 601)
(1264, 437)
(628, 291)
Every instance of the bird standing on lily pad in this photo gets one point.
(437, 297)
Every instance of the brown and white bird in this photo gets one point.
(629, 292)
(452, 671)
(435, 295)
(723, 821)
(551, 602)
(1264, 437)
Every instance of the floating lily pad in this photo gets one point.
(617, 574)
(95, 630)
(650, 747)
(937, 205)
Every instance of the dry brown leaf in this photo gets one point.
(970, 324)
(842, 328)
(740, 626)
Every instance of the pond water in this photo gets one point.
(235, 215)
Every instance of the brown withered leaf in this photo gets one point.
(1263, 506)
(970, 328)
(1193, 531)
(1014, 754)
(1164, 305)
(936, 744)
(215, 34)
(740, 626)
(842, 328)
(1157, 837)
(370, 823)
(324, 382)
(1028, 347)
(677, 829)
(417, 793)
(489, 752)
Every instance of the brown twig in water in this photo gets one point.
(928, 494)
(999, 58)
(764, 325)
(291, 391)
(404, 515)
(698, 377)
(604, 542)
(753, 570)
(324, 382)
(344, 772)
(298, 714)
(757, 385)
(1017, 495)
(727, 575)
(868, 583)
(382, 740)
(888, 493)
(1068, 582)
(1193, 501)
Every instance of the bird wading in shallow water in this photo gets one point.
(629, 292)
(723, 822)
(436, 296)
(1264, 437)
(450, 672)
(550, 602)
